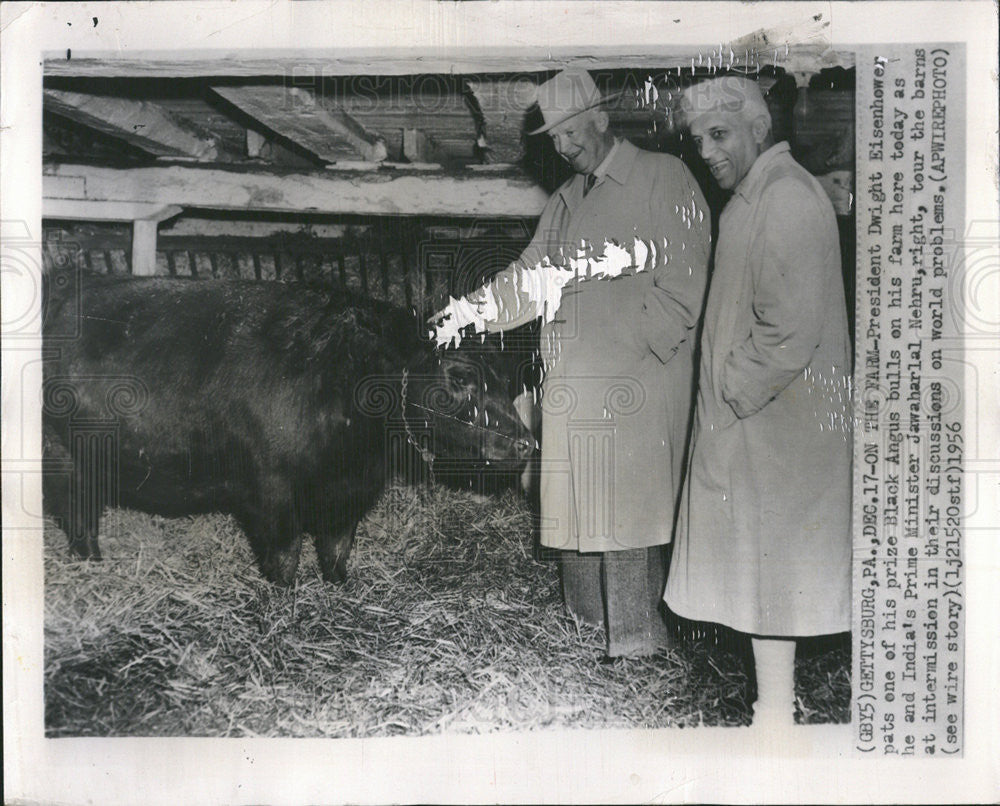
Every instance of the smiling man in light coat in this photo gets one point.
(616, 398)
(763, 542)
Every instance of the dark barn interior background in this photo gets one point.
(407, 185)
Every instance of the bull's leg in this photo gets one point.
(276, 538)
(83, 524)
(73, 495)
(279, 563)
(333, 549)
(69, 508)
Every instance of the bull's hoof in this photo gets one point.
(85, 550)
(337, 574)
(87, 558)
(281, 580)
(280, 569)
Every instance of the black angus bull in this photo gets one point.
(264, 400)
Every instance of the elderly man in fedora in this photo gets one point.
(616, 398)
(763, 542)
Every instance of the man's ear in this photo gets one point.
(601, 121)
(761, 129)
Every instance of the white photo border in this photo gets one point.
(814, 764)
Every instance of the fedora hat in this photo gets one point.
(565, 95)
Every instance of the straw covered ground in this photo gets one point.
(446, 624)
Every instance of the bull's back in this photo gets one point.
(214, 391)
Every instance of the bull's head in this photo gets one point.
(459, 399)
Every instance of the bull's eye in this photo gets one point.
(463, 377)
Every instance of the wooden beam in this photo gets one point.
(370, 144)
(141, 123)
(87, 210)
(292, 113)
(407, 167)
(373, 192)
(397, 61)
(419, 146)
(801, 49)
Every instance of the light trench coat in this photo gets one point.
(763, 539)
(618, 389)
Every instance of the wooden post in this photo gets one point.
(144, 247)
(256, 143)
(415, 146)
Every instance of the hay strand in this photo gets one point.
(446, 624)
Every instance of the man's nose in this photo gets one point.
(705, 147)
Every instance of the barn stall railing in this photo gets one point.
(405, 261)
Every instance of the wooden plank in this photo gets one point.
(292, 113)
(88, 210)
(380, 192)
(67, 187)
(802, 49)
(141, 123)
(269, 109)
(205, 118)
(408, 61)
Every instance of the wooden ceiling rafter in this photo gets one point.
(140, 123)
(329, 135)
(394, 132)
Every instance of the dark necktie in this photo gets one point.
(588, 183)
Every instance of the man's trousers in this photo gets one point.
(621, 591)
